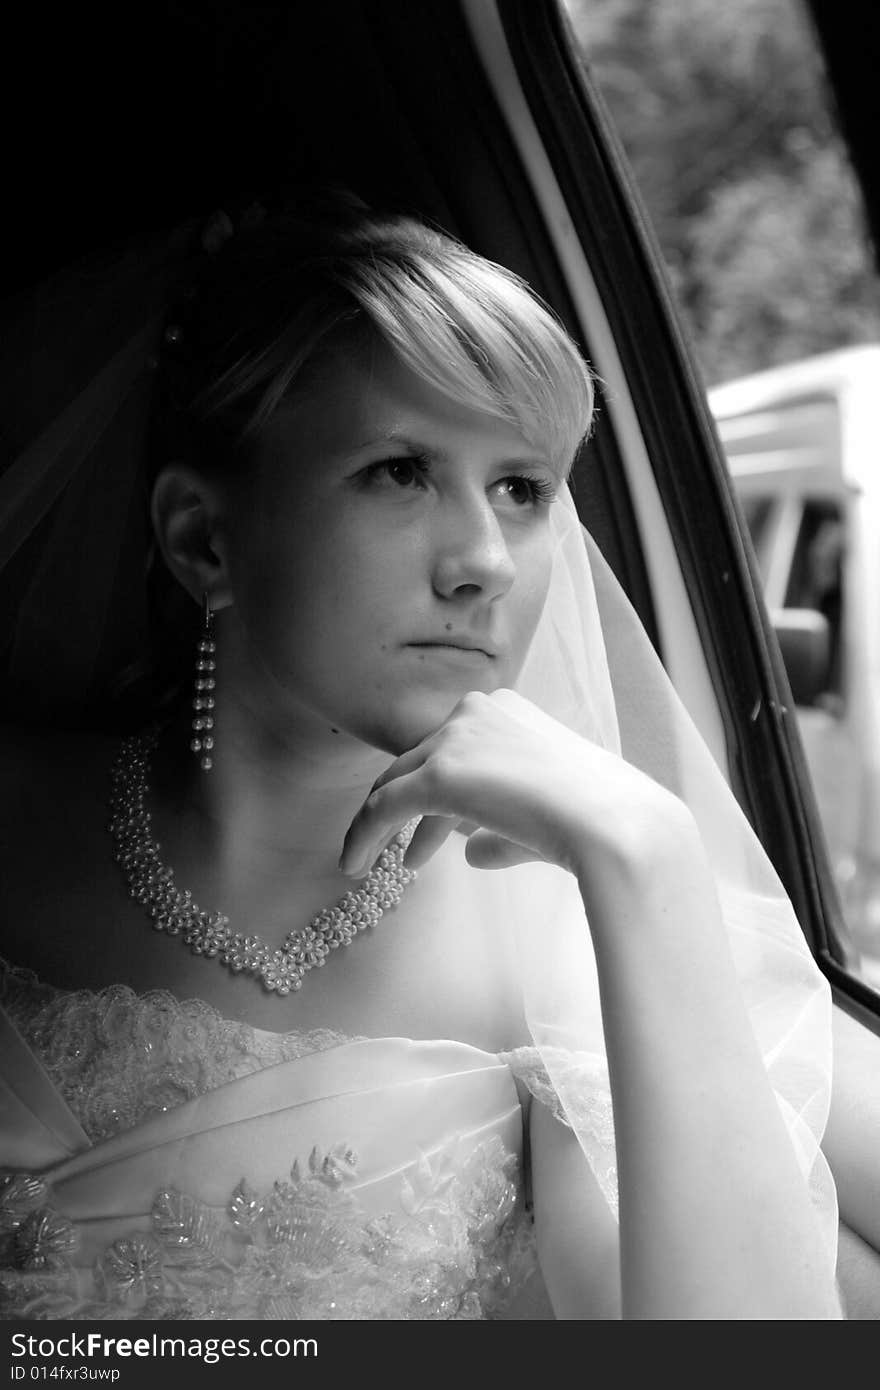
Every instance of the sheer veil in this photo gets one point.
(73, 543)
(593, 667)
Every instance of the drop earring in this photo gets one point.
(202, 743)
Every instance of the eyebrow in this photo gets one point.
(405, 442)
(439, 455)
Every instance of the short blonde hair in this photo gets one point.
(275, 299)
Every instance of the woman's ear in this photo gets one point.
(188, 519)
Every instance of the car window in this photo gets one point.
(725, 117)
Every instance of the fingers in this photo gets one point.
(386, 810)
(383, 816)
(431, 833)
(460, 771)
(407, 762)
(486, 850)
(413, 785)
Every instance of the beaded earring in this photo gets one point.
(203, 690)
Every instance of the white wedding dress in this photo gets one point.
(164, 1162)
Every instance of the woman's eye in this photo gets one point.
(524, 491)
(412, 474)
(399, 472)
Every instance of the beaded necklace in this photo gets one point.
(208, 933)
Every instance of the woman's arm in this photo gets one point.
(716, 1220)
(578, 1239)
(715, 1217)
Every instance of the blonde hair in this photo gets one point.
(276, 299)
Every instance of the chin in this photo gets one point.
(404, 723)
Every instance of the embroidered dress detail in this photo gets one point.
(459, 1247)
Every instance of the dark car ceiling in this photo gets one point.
(142, 117)
(136, 116)
(139, 116)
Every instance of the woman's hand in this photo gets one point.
(522, 786)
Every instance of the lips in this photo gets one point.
(461, 644)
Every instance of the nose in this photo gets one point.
(472, 556)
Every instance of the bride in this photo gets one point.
(404, 955)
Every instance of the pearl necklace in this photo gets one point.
(208, 933)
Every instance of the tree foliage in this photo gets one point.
(724, 114)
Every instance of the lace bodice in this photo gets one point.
(452, 1238)
(118, 1057)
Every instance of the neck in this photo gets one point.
(273, 803)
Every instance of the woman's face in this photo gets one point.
(393, 552)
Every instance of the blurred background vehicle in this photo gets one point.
(801, 441)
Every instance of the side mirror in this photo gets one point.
(805, 641)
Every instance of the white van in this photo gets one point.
(803, 445)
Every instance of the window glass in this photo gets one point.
(724, 114)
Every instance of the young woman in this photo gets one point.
(426, 747)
